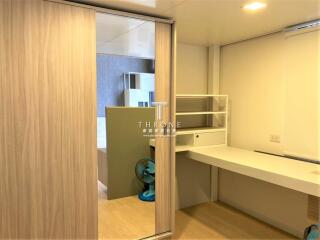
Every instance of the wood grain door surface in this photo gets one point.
(48, 185)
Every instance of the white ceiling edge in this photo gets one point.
(221, 22)
(117, 35)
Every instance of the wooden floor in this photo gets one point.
(130, 218)
(218, 221)
(125, 218)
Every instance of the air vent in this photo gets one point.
(303, 26)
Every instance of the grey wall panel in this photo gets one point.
(110, 70)
(125, 147)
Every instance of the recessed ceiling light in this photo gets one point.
(254, 6)
(145, 3)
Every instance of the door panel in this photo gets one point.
(6, 125)
(163, 143)
(48, 122)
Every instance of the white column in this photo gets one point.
(214, 69)
(214, 88)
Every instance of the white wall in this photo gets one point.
(192, 178)
(301, 135)
(253, 74)
(192, 72)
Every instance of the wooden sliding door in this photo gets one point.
(165, 152)
(48, 186)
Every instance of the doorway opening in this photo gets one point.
(125, 92)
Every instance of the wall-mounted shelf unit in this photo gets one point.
(183, 131)
(202, 120)
(138, 89)
(198, 113)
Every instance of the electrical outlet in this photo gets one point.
(275, 138)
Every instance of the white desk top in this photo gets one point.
(293, 174)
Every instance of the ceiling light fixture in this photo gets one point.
(145, 3)
(254, 6)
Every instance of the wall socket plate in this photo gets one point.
(275, 138)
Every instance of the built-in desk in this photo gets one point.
(297, 175)
(289, 173)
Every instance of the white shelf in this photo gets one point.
(183, 148)
(179, 148)
(185, 131)
(198, 95)
(212, 130)
(198, 113)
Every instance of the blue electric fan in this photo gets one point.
(145, 171)
(312, 232)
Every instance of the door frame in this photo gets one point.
(170, 148)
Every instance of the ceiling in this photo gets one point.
(118, 35)
(207, 22)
